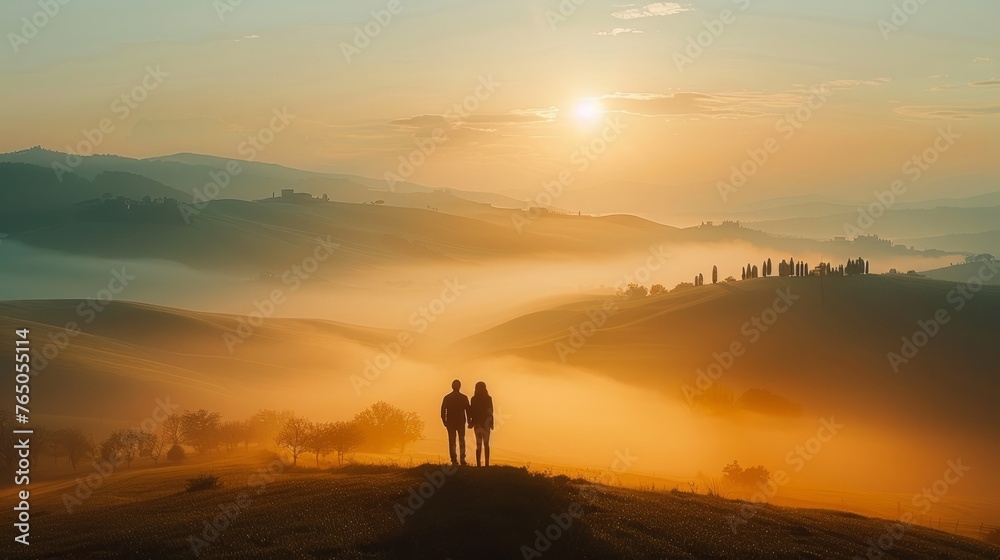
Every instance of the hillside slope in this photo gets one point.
(126, 355)
(893, 224)
(188, 173)
(474, 514)
(830, 350)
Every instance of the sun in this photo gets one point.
(589, 110)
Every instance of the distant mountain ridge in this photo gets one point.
(28, 183)
(25, 187)
(190, 173)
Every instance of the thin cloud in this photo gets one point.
(419, 121)
(856, 83)
(681, 104)
(652, 10)
(516, 117)
(724, 105)
(989, 83)
(948, 113)
(619, 31)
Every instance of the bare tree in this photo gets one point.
(122, 445)
(231, 434)
(76, 445)
(265, 424)
(344, 438)
(246, 434)
(44, 441)
(413, 429)
(173, 431)
(201, 429)
(153, 445)
(292, 436)
(318, 440)
(385, 426)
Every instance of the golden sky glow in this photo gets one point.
(516, 88)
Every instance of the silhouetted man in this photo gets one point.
(454, 414)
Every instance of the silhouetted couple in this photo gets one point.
(457, 412)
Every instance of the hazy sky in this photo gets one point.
(559, 73)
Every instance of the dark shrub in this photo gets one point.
(749, 477)
(203, 482)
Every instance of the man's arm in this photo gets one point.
(444, 411)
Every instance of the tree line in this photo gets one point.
(379, 428)
(786, 268)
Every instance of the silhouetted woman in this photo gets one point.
(481, 421)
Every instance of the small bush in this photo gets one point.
(176, 453)
(752, 476)
(203, 482)
(717, 488)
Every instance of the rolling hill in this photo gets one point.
(913, 360)
(982, 242)
(182, 175)
(483, 514)
(961, 273)
(893, 224)
(190, 173)
(26, 188)
(827, 353)
(244, 236)
(124, 356)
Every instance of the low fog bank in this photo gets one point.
(551, 414)
(447, 299)
(558, 414)
(554, 414)
(548, 413)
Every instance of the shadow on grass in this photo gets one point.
(490, 513)
(202, 482)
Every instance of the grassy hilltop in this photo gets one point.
(355, 512)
